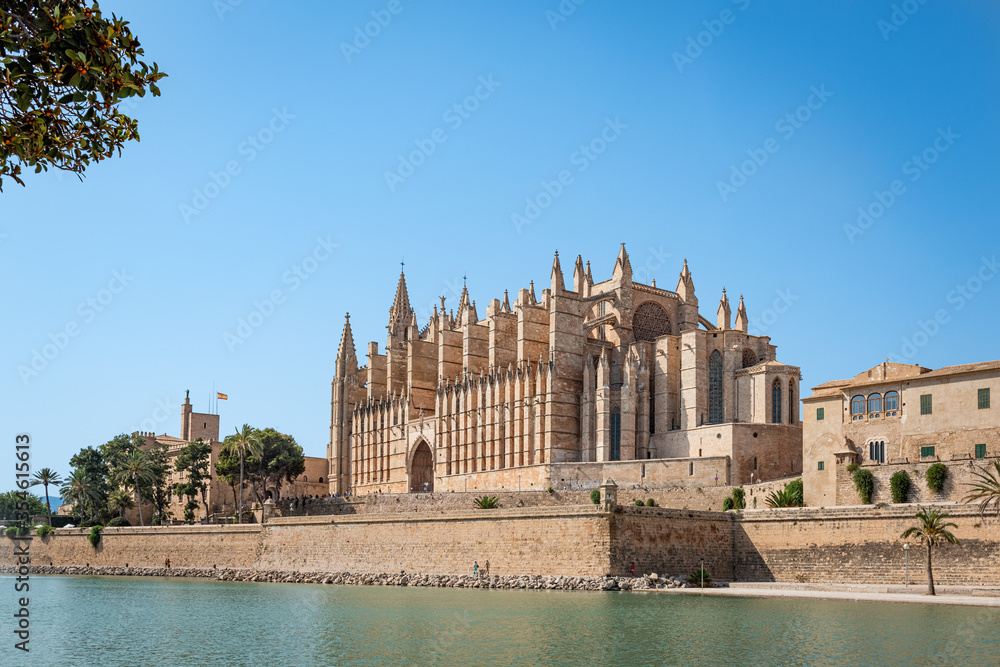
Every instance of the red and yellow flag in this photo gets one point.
(222, 396)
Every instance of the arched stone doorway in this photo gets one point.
(422, 470)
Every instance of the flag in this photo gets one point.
(222, 396)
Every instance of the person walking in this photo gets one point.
(166, 563)
(633, 569)
(487, 568)
(475, 569)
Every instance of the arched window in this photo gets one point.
(304, 478)
(650, 321)
(320, 480)
(874, 403)
(876, 451)
(776, 401)
(749, 358)
(793, 407)
(857, 406)
(616, 434)
(715, 388)
(891, 401)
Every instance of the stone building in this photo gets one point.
(560, 386)
(220, 497)
(897, 417)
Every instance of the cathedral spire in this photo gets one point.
(685, 285)
(505, 306)
(557, 276)
(346, 356)
(724, 314)
(742, 321)
(590, 278)
(531, 293)
(623, 267)
(401, 310)
(579, 278)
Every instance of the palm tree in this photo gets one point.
(986, 488)
(120, 500)
(47, 476)
(245, 442)
(136, 470)
(933, 530)
(78, 488)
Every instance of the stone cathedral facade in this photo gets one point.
(611, 378)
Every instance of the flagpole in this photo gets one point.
(216, 397)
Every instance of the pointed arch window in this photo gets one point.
(715, 388)
(793, 407)
(616, 434)
(776, 401)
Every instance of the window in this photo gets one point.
(792, 406)
(819, 416)
(649, 322)
(925, 404)
(715, 388)
(819, 466)
(926, 451)
(891, 401)
(776, 401)
(984, 399)
(875, 403)
(749, 358)
(691, 468)
(876, 451)
(616, 434)
(652, 407)
(981, 451)
(857, 406)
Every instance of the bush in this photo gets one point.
(695, 577)
(16, 531)
(853, 468)
(650, 502)
(864, 482)
(639, 503)
(797, 492)
(86, 523)
(936, 475)
(95, 535)
(595, 497)
(44, 531)
(118, 522)
(550, 490)
(487, 502)
(739, 498)
(900, 485)
(727, 504)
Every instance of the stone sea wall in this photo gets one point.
(840, 545)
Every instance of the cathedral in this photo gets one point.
(607, 379)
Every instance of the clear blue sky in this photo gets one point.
(329, 122)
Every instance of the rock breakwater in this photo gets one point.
(523, 582)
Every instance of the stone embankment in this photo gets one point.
(526, 582)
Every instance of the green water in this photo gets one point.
(145, 621)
